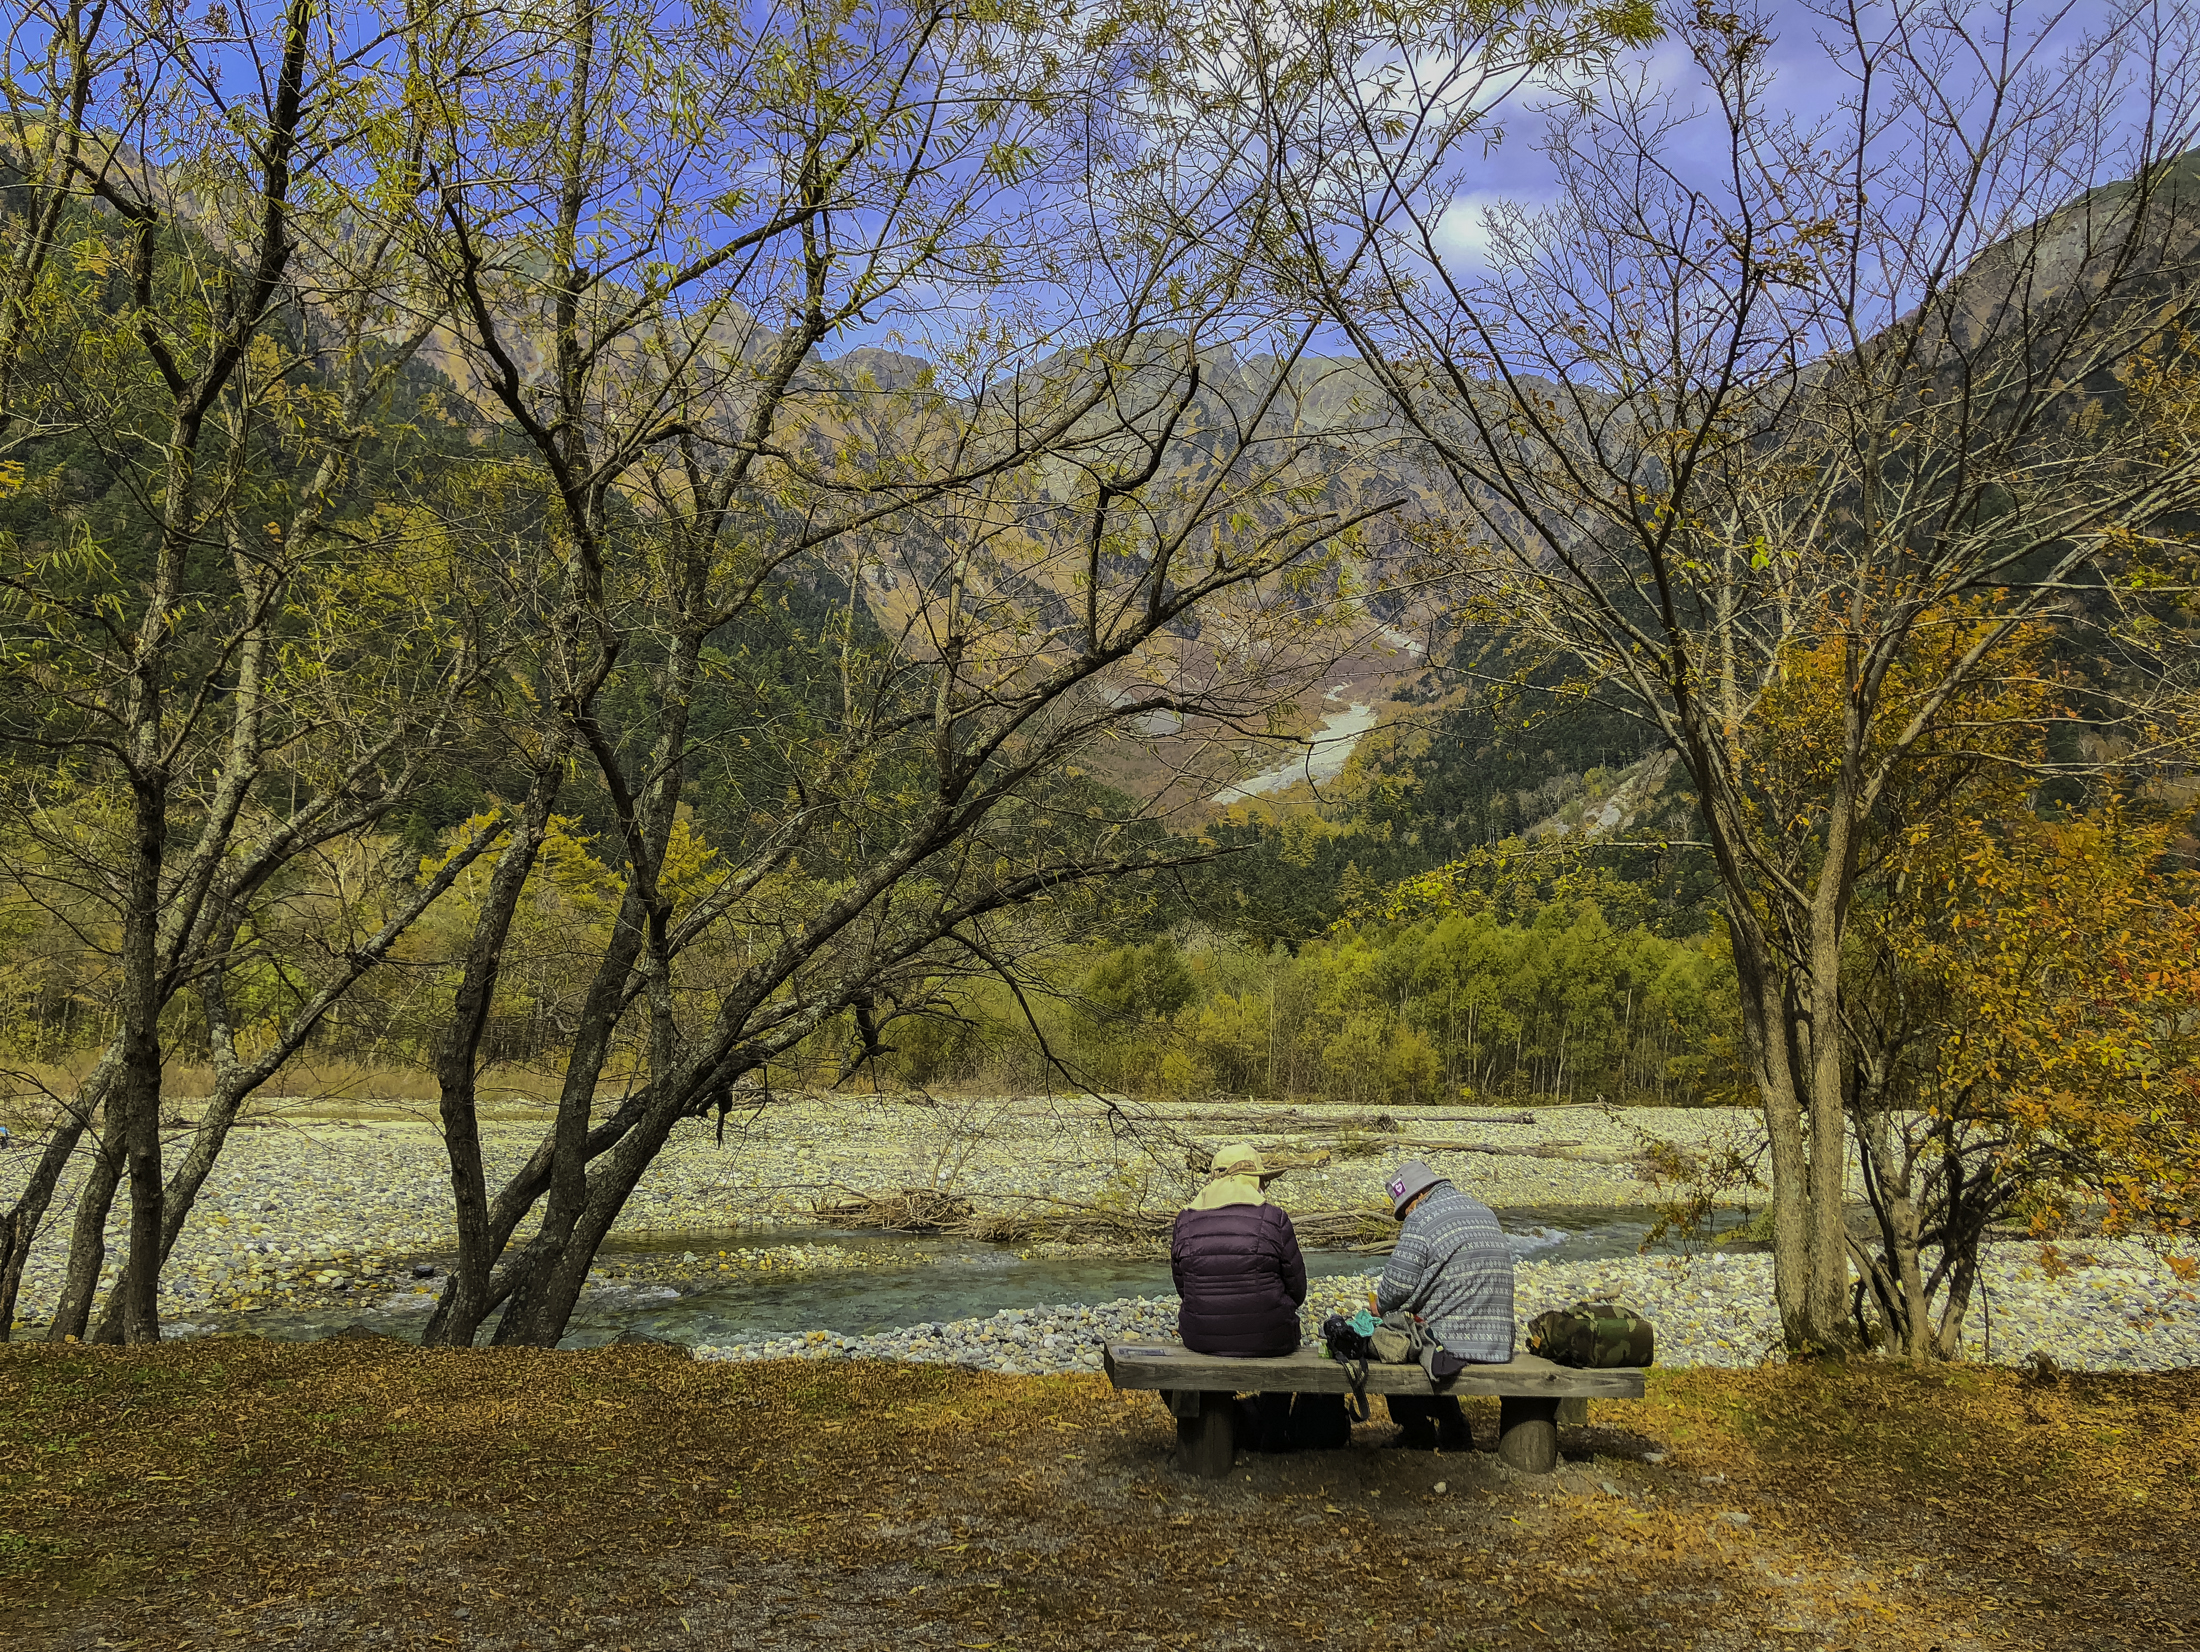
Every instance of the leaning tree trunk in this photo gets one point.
(539, 1288)
(535, 1279)
(466, 1300)
(1947, 1341)
(88, 1239)
(19, 1226)
(581, 1206)
(551, 1272)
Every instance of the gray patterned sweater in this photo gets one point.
(1454, 1268)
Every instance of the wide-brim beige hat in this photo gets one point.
(1238, 1158)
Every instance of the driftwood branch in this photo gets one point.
(1199, 1155)
(924, 1210)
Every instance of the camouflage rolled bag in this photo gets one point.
(1593, 1336)
(1405, 1339)
(1398, 1339)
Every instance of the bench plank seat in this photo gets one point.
(1202, 1390)
(1309, 1371)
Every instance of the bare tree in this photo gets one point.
(221, 350)
(1093, 518)
(1756, 388)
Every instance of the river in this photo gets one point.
(911, 1281)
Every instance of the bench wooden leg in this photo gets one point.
(1527, 1434)
(1573, 1413)
(1206, 1444)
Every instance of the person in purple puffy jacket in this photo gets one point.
(1241, 1277)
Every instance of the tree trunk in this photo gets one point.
(138, 1094)
(1824, 1321)
(466, 1299)
(234, 1079)
(1969, 1202)
(1765, 1020)
(88, 1240)
(19, 1227)
(1916, 1340)
(553, 1270)
(178, 1197)
(1897, 1275)
(571, 1194)
(1955, 1306)
(546, 1280)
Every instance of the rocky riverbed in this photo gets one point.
(2110, 1307)
(314, 1214)
(325, 1218)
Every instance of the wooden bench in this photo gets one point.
(1202, 1389)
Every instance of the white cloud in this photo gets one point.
(1462, 234)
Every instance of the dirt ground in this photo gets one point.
(365, 1494)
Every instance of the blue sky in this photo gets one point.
(1805, 79)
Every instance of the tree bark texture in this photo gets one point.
(466, 1300)
(88, 1238)
(19, 1227)
(1775, 1064)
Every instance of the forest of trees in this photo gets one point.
(1462, 1008)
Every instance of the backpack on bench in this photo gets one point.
(1593, 1336)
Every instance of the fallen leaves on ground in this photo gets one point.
(364, 1493)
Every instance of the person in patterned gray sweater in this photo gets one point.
(1454, 1268)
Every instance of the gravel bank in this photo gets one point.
(328, 1215)
(315, 1214)
(2121, 1311)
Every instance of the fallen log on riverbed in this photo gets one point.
(1574, 1151)
(924, 1210)
(912, 1210)
(1198, 1154)
(1290, 1121)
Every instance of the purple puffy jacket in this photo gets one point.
(1242, 1279)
